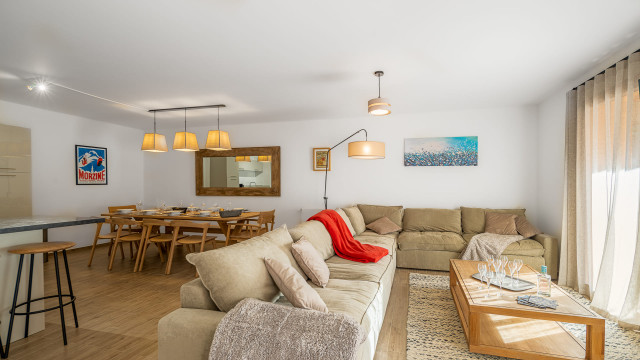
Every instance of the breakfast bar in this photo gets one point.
(20, 231)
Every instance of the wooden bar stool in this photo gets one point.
(41, 248)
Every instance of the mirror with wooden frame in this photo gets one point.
(250, 171)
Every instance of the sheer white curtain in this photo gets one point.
(600, 249)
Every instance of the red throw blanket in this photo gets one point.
(344, 244)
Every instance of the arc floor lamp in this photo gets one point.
(367, 150)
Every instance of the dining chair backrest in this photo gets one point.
(267, 219)
(121, 222)
(177, 224)
(151, 224)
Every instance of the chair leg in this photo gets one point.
(26, 324)
(64, 328)
(121, 250)
(131, 249)
(73, 298)
(95, 243)
(160, 251)
(13, 307)
(142, 251)
(170, 258)
(113, 253)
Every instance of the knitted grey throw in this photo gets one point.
(255, 329)
(485, 244)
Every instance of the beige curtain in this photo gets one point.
(600, 248)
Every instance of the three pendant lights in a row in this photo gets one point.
(219, 140)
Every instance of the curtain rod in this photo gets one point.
(603, 71)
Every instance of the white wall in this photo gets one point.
(505, 177)
(55, 193)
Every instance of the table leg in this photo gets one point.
(224, 228)
(45, 238)
(473, 328)
(595, 342)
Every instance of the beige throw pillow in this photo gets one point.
(311, 262)
(357, 221)
(500, 223)
(344, 217)
(371, 213)
(384, 226)
(525, 228)
(294, 287)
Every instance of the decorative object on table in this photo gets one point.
(509, 284)
(91, 165)
(218, 140)
(537, 301)
(321, 159)
(154, 142)
(230, 213)
(441, 151)
(544, 282)
(379, 106)
(367, 150)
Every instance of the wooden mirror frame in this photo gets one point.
(274, 190)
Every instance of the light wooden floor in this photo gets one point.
(118, 311)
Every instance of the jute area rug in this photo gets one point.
(434, 330)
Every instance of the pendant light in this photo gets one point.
(185, 141)
(154, 142)
(264, 158)
(379, 106)
(243, 158)
(218, 140)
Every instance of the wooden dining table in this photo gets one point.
(223, 222)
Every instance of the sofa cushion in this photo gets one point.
(235, 272)
(526, 247)
(371, 213)
(355, 216)
(344, 269)
(525, 228)
(432, 241)
(310, 261)
(294, 287)
(349, 297)
(387, 241)
(347, 221)
(384, 226)
(432, 220)
(473, 218)
(500, 223)
(316, 234)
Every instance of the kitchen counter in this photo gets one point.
(11, 225)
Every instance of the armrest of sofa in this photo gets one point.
(187, 333)
(551, 253)
(193, 295)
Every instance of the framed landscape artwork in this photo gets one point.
(321, 159)
(91, 165)
(441, 151)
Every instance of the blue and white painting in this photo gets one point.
(91, 165)
(441, 151)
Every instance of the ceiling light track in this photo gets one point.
(190, 108)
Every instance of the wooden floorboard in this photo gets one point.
(118, 310)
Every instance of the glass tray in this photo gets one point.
(507, 284)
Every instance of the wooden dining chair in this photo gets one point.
(189, 241)
(122, 236)
(154, 236)
(246, 230)
(111, 236)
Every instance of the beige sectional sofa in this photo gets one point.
(429, 238)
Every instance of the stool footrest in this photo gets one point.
(73, 298)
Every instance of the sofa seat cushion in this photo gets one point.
(344, 269)
(349, 297)
(387, 241)
(431, 241)
(526, 247)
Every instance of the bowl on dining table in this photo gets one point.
(174, 213)
(124, 211)
(204, 213)
(150, 211)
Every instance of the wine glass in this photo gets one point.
(482, 269)
(490, 277)
(504, 259)
(518, 264)
(204, 206)
(139, 205)
(512, 269)
(491, 260)
(500, 275)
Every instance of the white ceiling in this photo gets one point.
(293, 60)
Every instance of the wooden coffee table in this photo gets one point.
(500, 326)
